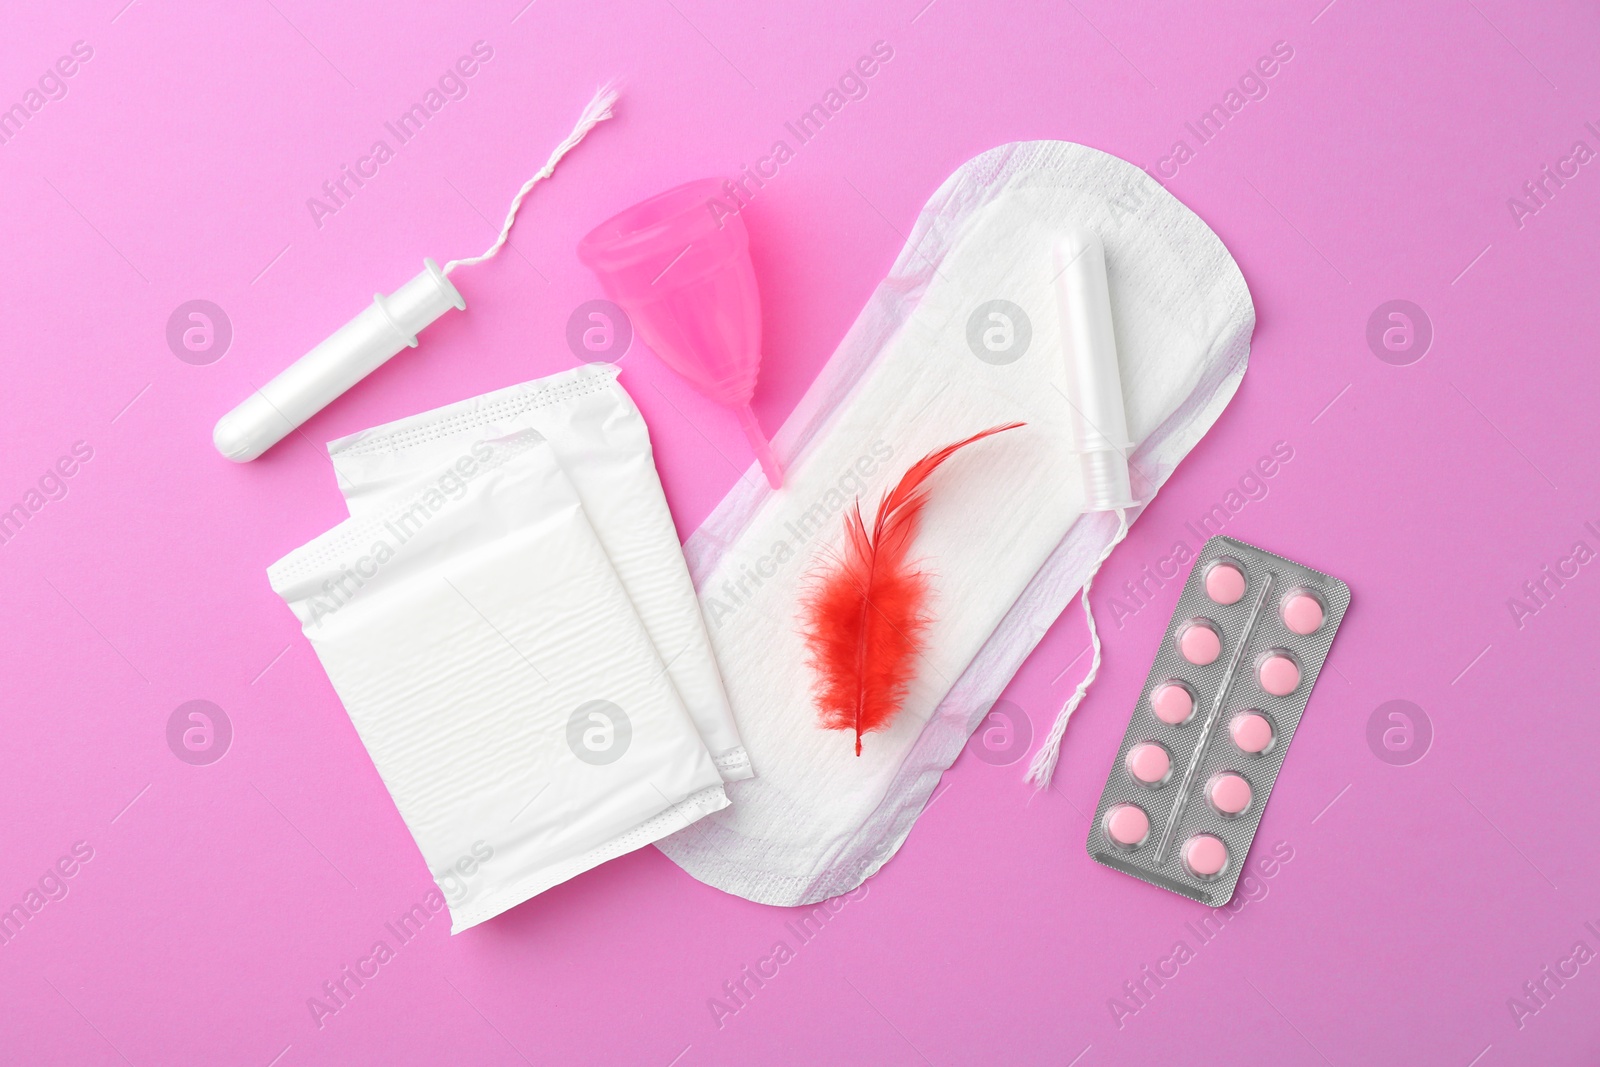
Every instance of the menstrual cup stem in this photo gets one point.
(763, 451)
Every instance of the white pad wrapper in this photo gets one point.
(963, 335)
(499, 677)
(602, 444)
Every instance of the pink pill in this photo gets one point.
(1199, 644)
(1229, 793)
(1127, 825)
(1172, 704)
(1225, 583)
(1149, 762)
(1251, 732)
(1205, 855)
(1279, 675)
(1302, 613)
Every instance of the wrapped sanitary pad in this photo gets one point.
(602, 444)
(499, 676)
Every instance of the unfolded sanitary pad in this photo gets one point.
(962, 335)
(498, 674)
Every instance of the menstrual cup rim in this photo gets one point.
(604, 248)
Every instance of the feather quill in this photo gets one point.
(865, 617)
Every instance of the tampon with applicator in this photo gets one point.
(1097, 427)
(373, 337)
(321, 376)
(1097, 421)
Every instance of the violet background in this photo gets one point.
(219, 898)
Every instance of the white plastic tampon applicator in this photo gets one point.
(1097, 421)
(317, 378)
(1098, 429)
(368, 341)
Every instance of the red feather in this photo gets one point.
(865, 617)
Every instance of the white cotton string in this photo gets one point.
(1043, 766)
(598, 111)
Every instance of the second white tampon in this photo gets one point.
(1097, 425)
(1097, 421)
(382, 329)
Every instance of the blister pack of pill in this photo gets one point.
(1214, 721)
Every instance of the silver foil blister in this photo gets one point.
(1202, 749)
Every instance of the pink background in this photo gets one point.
(219, 898)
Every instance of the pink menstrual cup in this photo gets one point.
(679, 265)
